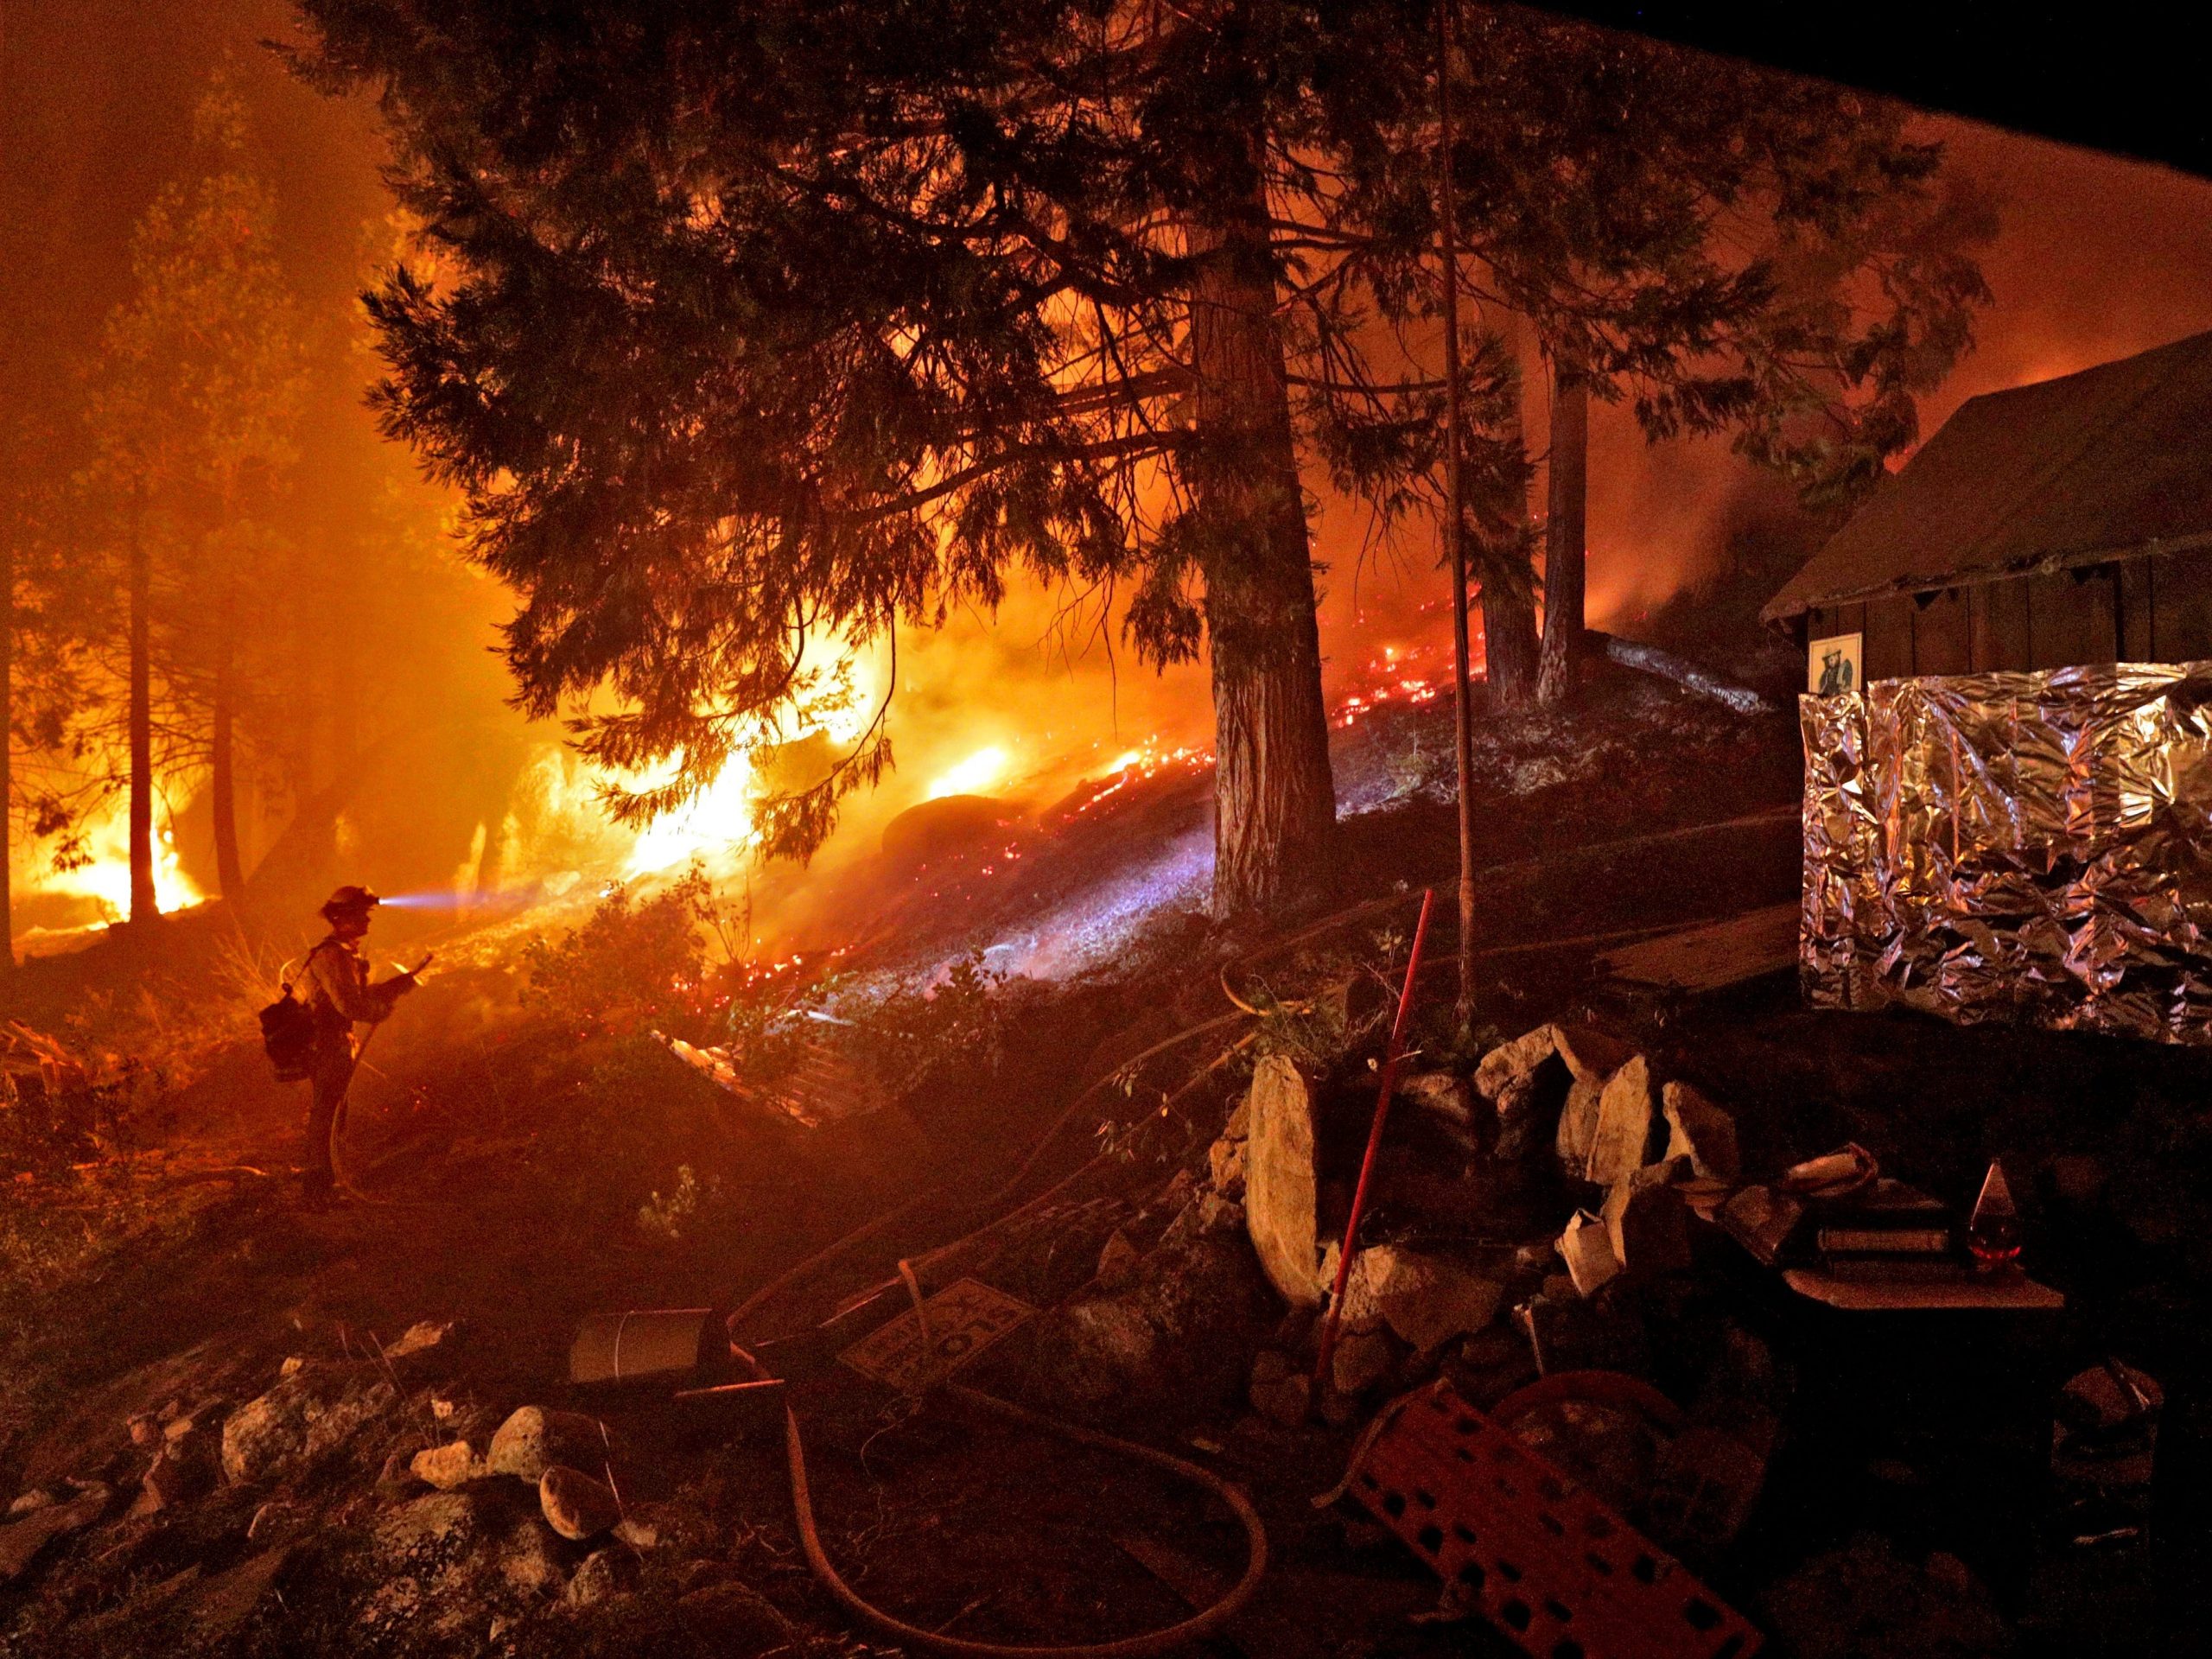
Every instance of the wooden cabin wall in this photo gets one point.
(2157, 609)
(2179, 598)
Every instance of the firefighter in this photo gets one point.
(335, 980)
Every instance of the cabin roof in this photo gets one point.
(2109, 463)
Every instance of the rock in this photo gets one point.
(1425, 1300)
(436, 1524)
(604, 1572)
(225, 1602)
(449, 1466)
(1578, 1125)
(1117, 1262)
(1183, 1332)
(291, 1367)
(1225, 1158)
(304, 1416)
(533, 1440)
(1513, 1063)
(264, 1435)
(1648, 1225)
(1866, 1598)
(1587, 1246)
(530, 1561)
(576, 1506)
(1205, 1216)
(1279, 1391)
(398, 1477)
(422, 1337)
(1443, 1095)
(1281, 1187)
(21, 1541)
(1589, 1055)
(1620, 1144)
(1239, 1126)
(638, 1535)
(169, 1482)
(735, 1619)
(1525, 1081)
(145, 1429)
(37, 1498)
(1361, 1359)
(1699, 1131)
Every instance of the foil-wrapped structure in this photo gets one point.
(2028, 847)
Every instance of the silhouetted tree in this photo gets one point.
(811, 319)
(761, 321)
(192, 408)
(1729, 248)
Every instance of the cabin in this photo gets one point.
(2056, 525)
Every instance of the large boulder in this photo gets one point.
(1282, 1184)
(1699, 1131)
(1181, 1337)
(1620, 1143)
(1525, 1081)
(1424, 1299)
(533, 1440)
(576, 1506)
(21, 1541)
(310, 1412)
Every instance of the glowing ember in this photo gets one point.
(972, 776)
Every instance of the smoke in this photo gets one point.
(452, 798)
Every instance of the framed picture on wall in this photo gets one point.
(1832, 664)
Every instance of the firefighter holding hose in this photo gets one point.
(336, 992)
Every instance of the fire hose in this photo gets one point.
(1144, 1643)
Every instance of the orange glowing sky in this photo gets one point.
(2097, 258)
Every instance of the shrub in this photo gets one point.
(633, 962)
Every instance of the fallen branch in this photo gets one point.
(1649, 659)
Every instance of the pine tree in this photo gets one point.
(192, 408)
(763, 319)
(907, 296)
(1729, 248)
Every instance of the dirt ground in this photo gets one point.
(515, 1178)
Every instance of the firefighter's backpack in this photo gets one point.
(288, 1032)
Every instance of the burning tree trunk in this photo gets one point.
(1565, 534)
(145, 907)
(1274, 801)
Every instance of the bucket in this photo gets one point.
(646, 1343)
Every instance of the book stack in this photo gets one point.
(1887, 1229)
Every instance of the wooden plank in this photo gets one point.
(1704, 958)
(2017, 1293)
(2001, 632)
(1941, 631)
(1888, 647)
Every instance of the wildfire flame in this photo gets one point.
(106, 877)
(974, 775)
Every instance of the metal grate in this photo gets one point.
(1545, 1562)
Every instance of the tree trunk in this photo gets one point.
(222, 784)
(1510, 646)
(1565, 537)
(1274, 800)
(145, 907)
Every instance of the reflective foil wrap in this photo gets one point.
(2034, 847)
